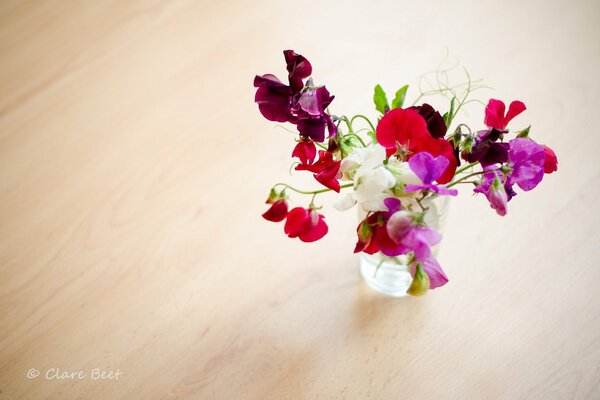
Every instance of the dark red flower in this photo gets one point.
(409, 130)
(435, 122)
(305, 224)
(306, 151)
(277, 212)
(325, 170)
(494, 113)
(550, 160)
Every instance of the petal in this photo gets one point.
(494, 114)
(401, 126)
(550, 160)
(344, 203)
(277, 212)
(423, 165)
(515, 108)
(316, 232)
(312, 128)
(434, 271)
(298, 221)
(306, 151)
(298, 68)
(435, 122)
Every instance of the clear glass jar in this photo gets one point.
(392, 276)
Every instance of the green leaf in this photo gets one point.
(524, 133)
(449, 115)
(398, 101)
(380, 100)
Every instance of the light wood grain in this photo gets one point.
(133, 170)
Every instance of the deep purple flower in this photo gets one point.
(526, 160)
(429, 169)
(310, 111)
(435, 122)
(273, 98)
(487, 150)
(296, 103)
(298, 69)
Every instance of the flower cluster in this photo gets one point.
(394, 168)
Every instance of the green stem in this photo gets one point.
(314, 192)
(357, 137)
(464, 178)
(466, 167)
(363, 117)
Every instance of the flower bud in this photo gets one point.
(277, 212)
(420, 283)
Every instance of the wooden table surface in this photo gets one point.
(133, 170)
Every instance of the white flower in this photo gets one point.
(371, 179)
(365, 157)
(403, 173)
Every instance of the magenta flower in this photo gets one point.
(494, 113)
(429, 169)
(497, 194)
(434, 271)
(526, 160)
(305, 224)
(550, 160)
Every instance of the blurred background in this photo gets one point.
(133, 169)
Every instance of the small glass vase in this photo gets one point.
(392, 276)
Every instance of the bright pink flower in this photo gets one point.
(277, 212)
(550, 160)
(494, 113)
(409, 129)
(306, 151)
(305, 224)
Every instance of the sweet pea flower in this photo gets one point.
(435, 122)
(305, 224)
(306, 151)
(277, 212)
(404, 130)
(494, 113)
(526, 160)
(550, 160)
(295, 103)
(429, 169)
(325, 170)
(497, 193)
(487, 150)
(433, 269)
(372, 180)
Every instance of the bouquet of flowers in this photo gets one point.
(393, 169)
